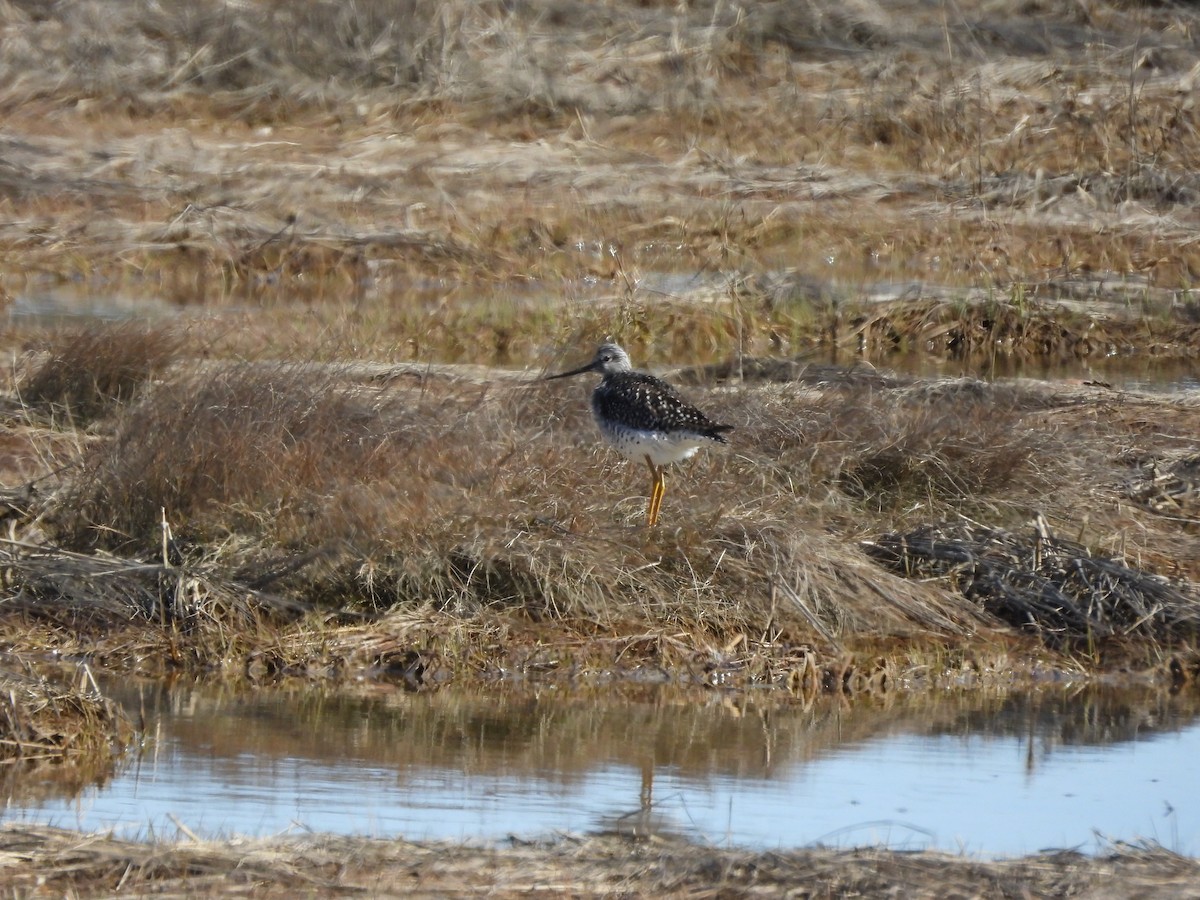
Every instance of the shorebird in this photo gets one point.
(643, 417)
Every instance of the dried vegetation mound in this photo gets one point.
(89, 371)
(960, 440)
(248, 494)
(304, 516)
(222, 451)
(1039, 582)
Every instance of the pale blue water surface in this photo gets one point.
(986, 776)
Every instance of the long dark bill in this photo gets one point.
(590, 367)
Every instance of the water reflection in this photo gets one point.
(55, 303)
(987, 773)
(66, 304)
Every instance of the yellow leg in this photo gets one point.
(657, 489)
(656, 500)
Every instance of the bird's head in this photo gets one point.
(609, 358)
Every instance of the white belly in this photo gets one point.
(662, 447)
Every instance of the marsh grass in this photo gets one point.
(495, 183)
(216, 449)
(90, 370)
(269, 511)
(228, 489)
(961, 443)
(490, 141)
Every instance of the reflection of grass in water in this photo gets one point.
(783, 315)
(689, 731)
(45, 723)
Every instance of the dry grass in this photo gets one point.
(90, 370)
(489, 183)
(1047, 584)
(950, 443)
(462, 502)
(255, 442)
(321, 866)
(304, 517)
(1049, 149)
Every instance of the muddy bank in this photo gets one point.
(40, 859)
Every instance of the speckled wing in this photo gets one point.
(646, 403)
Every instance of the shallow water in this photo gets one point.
(63, 305)
(984, 774)
(72, 304)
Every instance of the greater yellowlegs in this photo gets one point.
(643, 417)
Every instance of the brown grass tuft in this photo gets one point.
(226, 451)
(93, 369)
(961, 443)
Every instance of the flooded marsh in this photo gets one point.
(273, 425)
